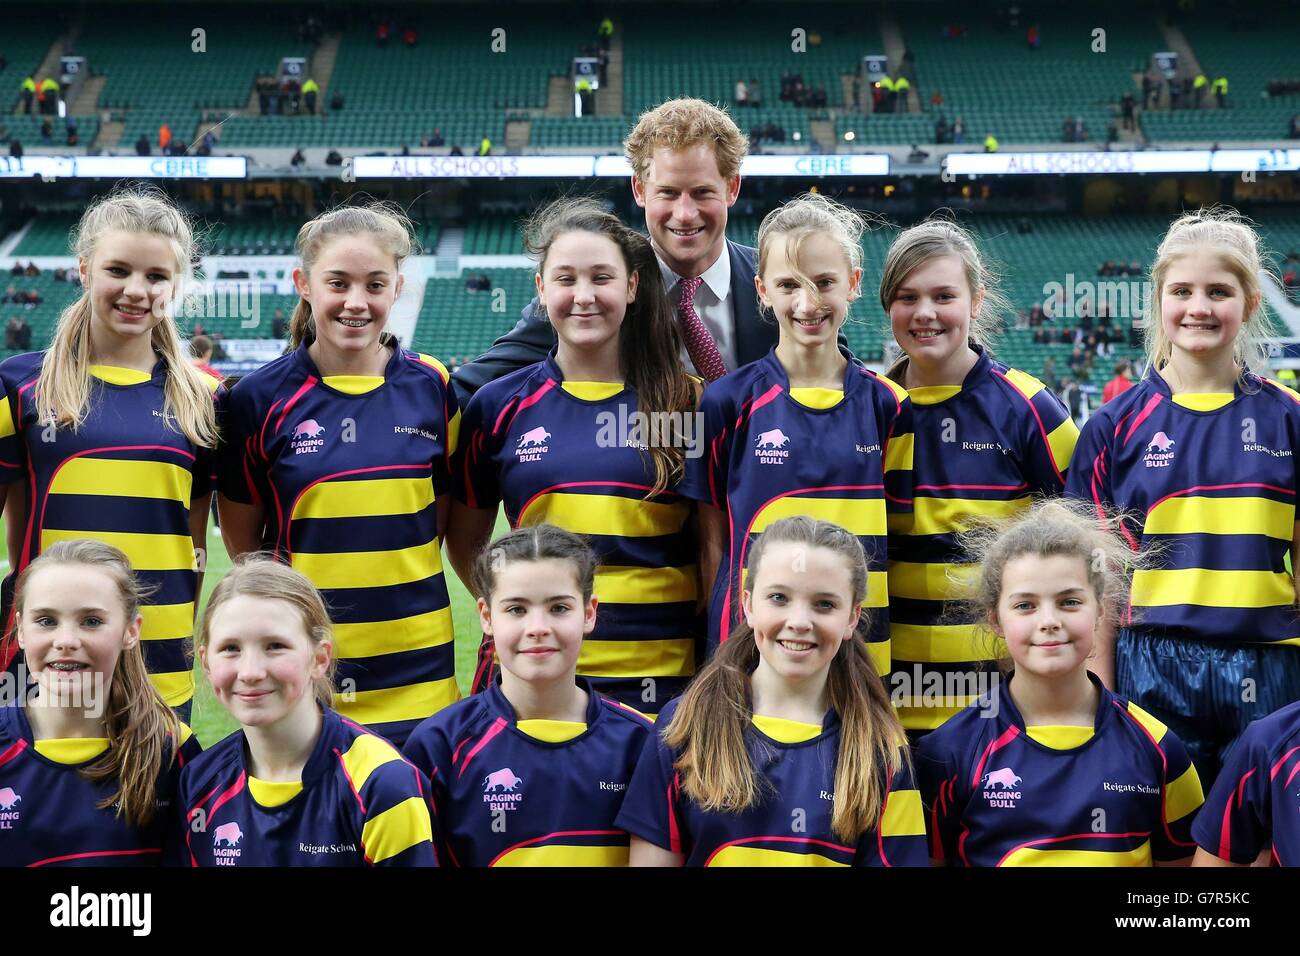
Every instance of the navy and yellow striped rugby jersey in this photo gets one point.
(48, 810)
(359, 804)
(125, 477)
(1121, 793)
(554, 452)
(510, 792)
(983, 449)
(348, 479)
(1255, 802)
(790, 825)
(1215, 491)
(770, 454)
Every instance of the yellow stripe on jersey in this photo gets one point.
(398, 828)
(366, 755)
(904, 815)
(115, 375)
(453, 434)
(881, 654)
(365, 498)
(1030, 856)
(6, 419)
(71, 750)
(1207, 588)
(393, 704)
(163, 622)
(606, 514)
(756, 856)
(1204, 401)
(898, 456)
(1285, 388)
(372, 638)
(1061, 442)
(786, 731)
(593, 391)
(619, 585)
(863, 517)
(900, 393)
(1025, 382)
(442, 369)
(1060, 737)
(671, 657)
(353, 384)
(1154, 727)
(175, 688)
(942, 515)
(565, 856)
(1194, 514)
(817, 397)
(186, 733)
(273, 793)
(552, 731)
(378, 569)
(123, 479)
(931, 582)
(147, 552)
(930, 718)
(945, 643)
(1184, 795)
(932, 394)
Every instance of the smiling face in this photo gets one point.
(932, 310)
(807, 319)
(801, 609)
(351, 287)
(73, 629)
(260, 660)
(131, 279)
(1048, 614)
(685, 200)
(1202, 304)
(537, 619)
(586, 289)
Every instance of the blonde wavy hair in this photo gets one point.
(681, 124)
(64, 387)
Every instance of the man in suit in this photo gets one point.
(685, 156)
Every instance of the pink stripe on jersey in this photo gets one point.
(497, 726)
(1008, 735)
(1271, 774)
(532, 399)
(1152, 403)
(229, 794)
(303, 389)
(13, 751)
(758, 403)
(95, 853)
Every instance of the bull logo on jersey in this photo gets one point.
(225, 844)
(9, 799)
(1001, 788)
(501, 790)
(532, 444)
(306, 438)
(769, 447)
(1160, 451)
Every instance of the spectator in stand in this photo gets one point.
(333, 158)
(742, 93)
(279, 325)
(485, 147)
(1031, 35)
(1107, 268)
(1220, 88)
(310, 91)
(32, 271)
(409, 37)
(15, 149)
(47, 131)
(456, 151)
(990, 143)
(18, 335)
(298, 158)
(1150, 90)
(1048, 377)
(1080, 361)
(958, 131)
(206, 144)
(1120, 384)
(1128, 108)
(1074, 399)
(755, 94)
(201, 350)
(336, 103)
(941, 130)
(164, 137)
(29, 95)
(1036, 316)
(49, 92)
(936, 99)
(436, 139)
(1294, 131)
(381, 33)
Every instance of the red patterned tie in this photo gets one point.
(699, 341)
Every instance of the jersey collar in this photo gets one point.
(853, 374)
(551, 369)
(1247, 384)
(303, 358)
(318, 764)
(500, 706)
(1011, 716)
(897, 372)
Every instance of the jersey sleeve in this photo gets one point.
(1090, 466)
(239, 465)
(205, 459)
(940, 778)
(705, 477)
(1181, 798)
(176, 823)
(13, 454)
(899, 440)
(1236, 823)
(428, 749)
(397, 829)
(1047, 437)
(899, 838)
(475, 477)
(651, 807)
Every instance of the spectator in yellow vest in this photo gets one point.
(901, 88)
(310, 90)
(485, 147)
(990, 143)
(1220, 88)
(886, 84)
(49, 96)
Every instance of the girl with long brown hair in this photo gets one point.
(785, 750)
(593, 440)
(89, 755)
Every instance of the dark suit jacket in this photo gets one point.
(533, 337)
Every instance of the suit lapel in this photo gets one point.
(754, 337)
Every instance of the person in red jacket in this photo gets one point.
(1120, 384)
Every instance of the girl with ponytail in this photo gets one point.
(109, 433)
(90, 755)
(785, 750)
